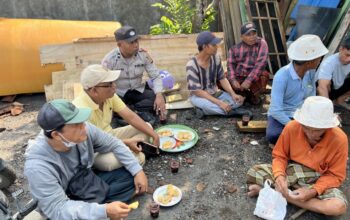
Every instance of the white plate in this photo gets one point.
(164, 139)
(171, 133)
(161, 191)
(176, 133)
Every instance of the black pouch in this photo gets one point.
(149, 150)
(87, 186)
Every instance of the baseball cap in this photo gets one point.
(127, 33)
(206, 37)
(247, 28)
(59, 112)
(95, 74)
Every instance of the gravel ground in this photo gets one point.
(220, 162)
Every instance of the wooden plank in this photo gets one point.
(235, 20)
(283, 8)
(56, 53)
(226, 22)
(253, 126)
(289, 12)
(340, 34)
(49, 94)
(68, 90)
(337, 21)
(179, 105)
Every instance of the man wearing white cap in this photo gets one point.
(310, 157)
(293, 83)
(99, 95)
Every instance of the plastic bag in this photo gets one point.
(271, 205)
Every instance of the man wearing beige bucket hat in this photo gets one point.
(99, 95)
(293, 83)
(310, 157)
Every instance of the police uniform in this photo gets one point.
(130, 85)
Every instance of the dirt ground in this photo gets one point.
(220, 162)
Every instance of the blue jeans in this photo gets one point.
(273, 130)
(121, 184)
(210, 108)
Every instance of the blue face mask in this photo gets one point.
(67, 143)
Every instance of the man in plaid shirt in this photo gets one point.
(246, 64)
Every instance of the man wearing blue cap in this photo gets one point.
(58, 167)
(246, 64)
(204, 71)
(133, 62)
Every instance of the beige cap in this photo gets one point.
(317, 112)
(95, 74)
(307, 47)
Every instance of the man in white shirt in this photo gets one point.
(333, 76)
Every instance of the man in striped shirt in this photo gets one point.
(246, 64)
(204, 71)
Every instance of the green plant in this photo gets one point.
(179, 17)
(209, 17)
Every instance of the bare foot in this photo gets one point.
(253, 190)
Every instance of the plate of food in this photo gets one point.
(188, 136)
(184, 135)
(167, 195)
(166, 143)
(166, 132)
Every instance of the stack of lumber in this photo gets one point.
(169, 52)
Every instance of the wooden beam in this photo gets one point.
(340, 34)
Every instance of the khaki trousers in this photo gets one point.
(107, 161)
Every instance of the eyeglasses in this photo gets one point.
(109, 85)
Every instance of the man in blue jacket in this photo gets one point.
(56, 157)
(293, 83)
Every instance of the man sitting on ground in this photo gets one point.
(203, 72)
(99, 95)
(246, 64)
(310, 157)
(133, 62)
(333, 76)
(58, 167)
(293, 83)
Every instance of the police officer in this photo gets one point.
(133, 62)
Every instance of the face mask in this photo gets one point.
(67, 143)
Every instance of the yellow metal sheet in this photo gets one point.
(20, 41)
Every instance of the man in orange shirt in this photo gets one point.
(309, 157)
